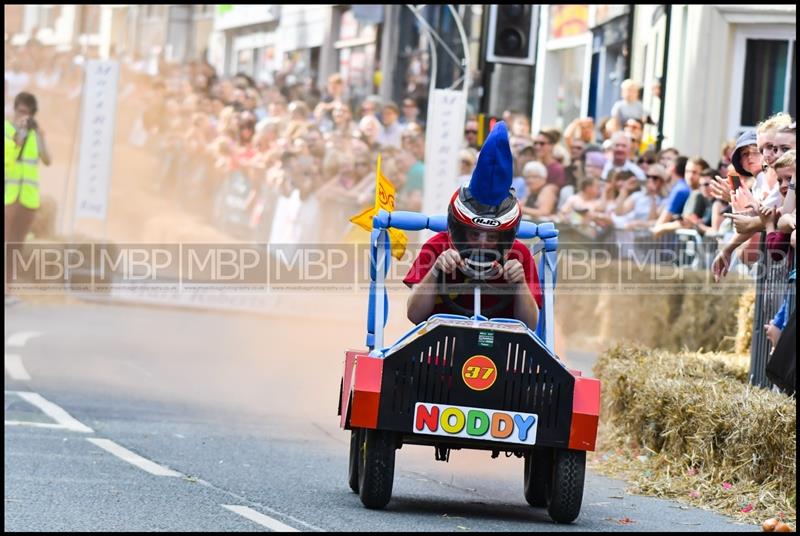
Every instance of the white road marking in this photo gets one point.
(15, 368)
(55, 412)
(132, 458)
(35, 424)
(261, 519)
(238, 497)
(22, 338)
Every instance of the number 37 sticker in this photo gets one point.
(479, 372)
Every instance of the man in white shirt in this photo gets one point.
(621, 150)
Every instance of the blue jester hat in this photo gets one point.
(491, 179)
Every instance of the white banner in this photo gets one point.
(443, 139)
(98, 113)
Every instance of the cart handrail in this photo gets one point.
(380, 258)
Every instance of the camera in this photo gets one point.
(31, 124)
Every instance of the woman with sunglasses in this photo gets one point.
(642, 207)
(544, 143)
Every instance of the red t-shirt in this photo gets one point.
(439, 243)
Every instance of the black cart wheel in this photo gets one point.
(355, 449)
(376, 468)
(566, 493)
(538, 476)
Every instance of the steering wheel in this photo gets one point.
(504, 299)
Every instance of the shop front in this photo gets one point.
(562, 71)
(610, 63)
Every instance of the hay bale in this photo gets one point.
(744, 322)
(706, 318)
(658, 306)
(695, 415)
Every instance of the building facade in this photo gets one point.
(175, 33)
(727, 67)
(718, 68)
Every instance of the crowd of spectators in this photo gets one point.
(267, 146)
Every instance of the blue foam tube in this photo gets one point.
(527, 229)
(408, 221)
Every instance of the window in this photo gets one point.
(769, 67)
(563, 86)
(763, 75)
(47, 16)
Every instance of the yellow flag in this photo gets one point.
(399, 240)
(364, 220)
(385, 196)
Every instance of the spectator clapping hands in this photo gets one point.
(767, 216)
(743, 202)
(720, 189)
(788, 223)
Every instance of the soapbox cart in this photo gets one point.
(468, 382)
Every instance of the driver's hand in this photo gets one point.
(513, 272)
(448, 261)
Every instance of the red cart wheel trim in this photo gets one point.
(585, 414)
(366, 392)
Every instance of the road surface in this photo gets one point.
(146, 418)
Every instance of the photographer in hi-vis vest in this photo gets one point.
(24, 147)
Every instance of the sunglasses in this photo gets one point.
(470, 132)
(654, 177)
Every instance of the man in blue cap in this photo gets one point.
(479, 245)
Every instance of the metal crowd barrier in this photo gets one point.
(772, 288)
(684, 247)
